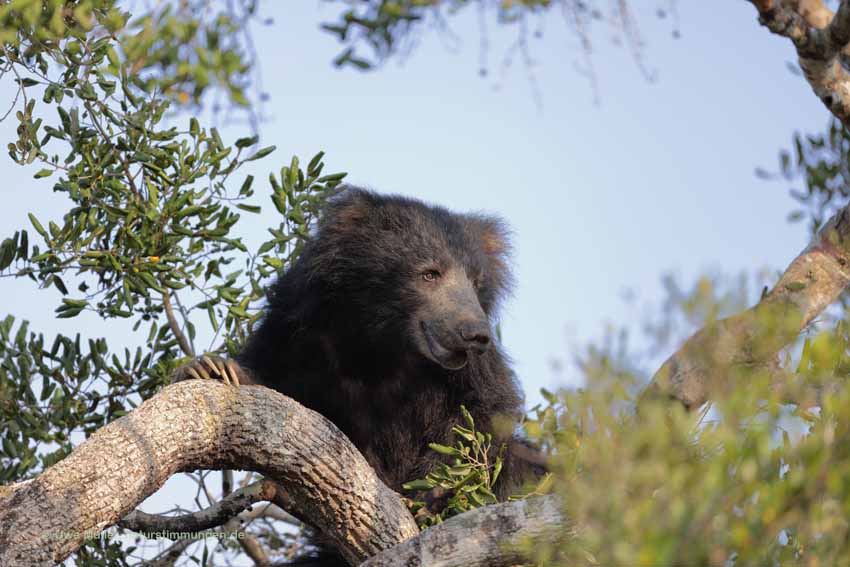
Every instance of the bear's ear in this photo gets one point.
(348, 210)
(491, 234)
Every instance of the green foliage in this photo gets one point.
(385, 26)
(153, 233)
(466, 478)
(751, 479)
(820, 161)
(752, 482)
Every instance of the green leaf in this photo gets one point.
(261, 153)
(332, 177)
(43, 173)
(238, 311)
(37, 225)
(314, 163)
(249, 208)
(420, 484)
(7, 253)
(444, 450)
(60, 285)
(86, 91)
(276, 263)
(246, 142)
(245, 189)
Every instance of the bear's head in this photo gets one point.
(412, 275)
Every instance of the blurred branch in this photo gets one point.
(753, 339)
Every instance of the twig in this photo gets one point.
(182, 340)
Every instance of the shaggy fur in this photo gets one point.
(344, 327)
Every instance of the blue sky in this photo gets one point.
(603, 196)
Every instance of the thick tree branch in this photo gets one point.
(753, 338)
(821, 39)
(491, 536)
(202, 424)
(814, 12)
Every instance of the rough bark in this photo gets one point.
(753, 338)
(491, 536)
(203, 425)
(821, 39)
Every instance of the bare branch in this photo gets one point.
(216, 515)
(182, 340)
(753, 338)
(170, 555)
(232, 513)
(203, 424)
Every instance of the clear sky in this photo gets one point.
(602, 197)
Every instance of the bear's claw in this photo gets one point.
(209, 367)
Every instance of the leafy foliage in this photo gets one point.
(388, 28)
(820, 162)
(466, 480)
(751, 481)
(155, 204)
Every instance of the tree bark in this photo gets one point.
(203, 425)
(492, 536)
(821, 39)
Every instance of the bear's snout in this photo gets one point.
(475, 335)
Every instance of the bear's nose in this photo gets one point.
(475, 335)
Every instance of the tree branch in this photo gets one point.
(491, 536)
(821, 39)
(232, 513)
(203, 424)
(216, 515)
(182, 339)
(753, 338)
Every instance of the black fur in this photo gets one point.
(340, 331)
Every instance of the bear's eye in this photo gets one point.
(431, 275)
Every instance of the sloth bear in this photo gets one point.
(384, 324)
